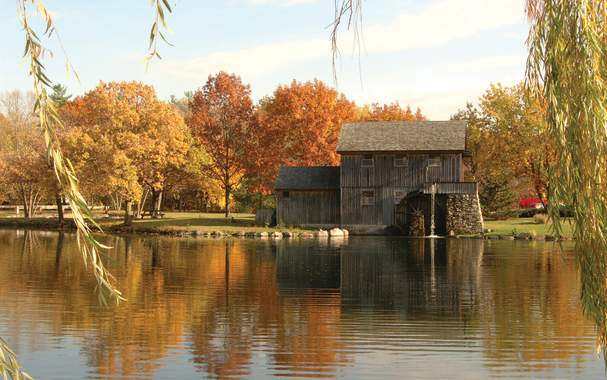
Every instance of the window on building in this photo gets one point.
(367, 161)
(285, 194)
(368, 198)
(434, 162)
(401, 162)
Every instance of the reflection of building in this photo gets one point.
(411, 276)
(305, 264)
(385, 164)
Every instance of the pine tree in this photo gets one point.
(59, 95)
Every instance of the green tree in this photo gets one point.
(59, 95)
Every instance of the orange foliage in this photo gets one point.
(300, 125)
(222, 123)
(124, 139)
(389, 112)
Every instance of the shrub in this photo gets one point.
(530, 213)
(540, 218)
(500, 215)
(566, 211)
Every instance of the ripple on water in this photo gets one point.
(370, 308)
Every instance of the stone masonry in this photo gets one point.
(464, 214)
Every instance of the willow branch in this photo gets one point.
(50, 121)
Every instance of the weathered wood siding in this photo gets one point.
(384, 173)
(387, 181)
(380, 213)
(307, 207)
(264, 216)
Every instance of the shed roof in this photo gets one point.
(308, 178)
(403, 136)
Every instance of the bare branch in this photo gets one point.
(348, 13)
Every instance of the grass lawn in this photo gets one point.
(209, 222)
(172, 221)
(190, 221)
(524, 225)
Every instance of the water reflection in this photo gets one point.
(359, 308)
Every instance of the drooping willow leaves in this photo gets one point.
(567, 65)
(9, 366)
(160, 7)
(50, 122)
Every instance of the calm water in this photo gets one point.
(364, 308)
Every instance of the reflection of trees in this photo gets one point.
(296, 327)
(299, 302)
(308, 276)
(534, 317)
(216, 293)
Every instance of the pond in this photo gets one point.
(363, 308)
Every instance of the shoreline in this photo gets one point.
(50, 224)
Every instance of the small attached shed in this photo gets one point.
(308, 196)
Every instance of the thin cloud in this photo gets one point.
(283, 3)
(436, 25)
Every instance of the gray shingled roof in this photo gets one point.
(308, 178)
(403, 136)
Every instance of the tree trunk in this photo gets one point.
(157, 204)
(141, 204)
(26, 210)
(28, 202)
(59, 203)
(227, 199)
(127, 213)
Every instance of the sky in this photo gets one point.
(432, 54)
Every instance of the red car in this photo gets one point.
(531, 203)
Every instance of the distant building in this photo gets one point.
(386, 178)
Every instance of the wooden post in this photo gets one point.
(432, 207)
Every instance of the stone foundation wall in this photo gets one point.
(464, 214)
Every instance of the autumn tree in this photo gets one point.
(26, 174)
(126, 142)
(517, 125)
(388, 112)
(508, 138)
(301, 122)
(223, 124)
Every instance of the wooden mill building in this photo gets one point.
(386, 175)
